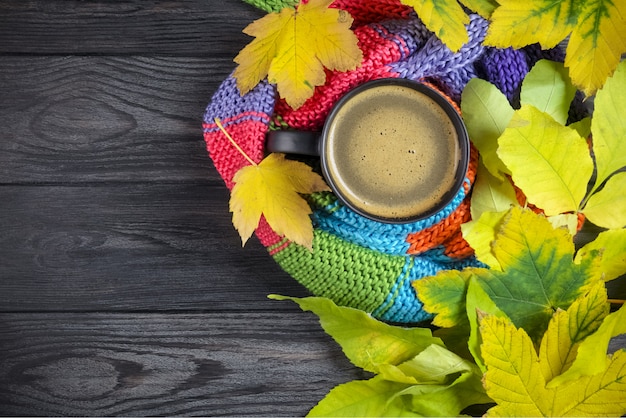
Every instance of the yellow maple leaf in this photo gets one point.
(272, 188)
(515, 377)
(597, 28)
(292, 48)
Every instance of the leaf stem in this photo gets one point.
(232, 141)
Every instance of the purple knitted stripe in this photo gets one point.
(407, 32)
(242, 118)
(437, 61)
(505, 68)
(228, 103)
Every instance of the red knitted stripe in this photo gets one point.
(365, 12)
(247, 135)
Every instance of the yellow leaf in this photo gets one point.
(514, 379)
(607, 207)
(609, 126)
(597, 43)
(567, 329)
(292, 48)
(519, 23)
(272, 189)
(549, 162)
(445, 18)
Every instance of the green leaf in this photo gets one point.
(607, 207)
(366, 342)
(609, 125)
(445, 400)
(444, 296)
(548, 161)
(520, 23)
(491, 194)
(431, 366)
(478, 301)
(548, 87)
(486, 112)
(445, 18)
(567, 329)
(538, 272)
(483, 7)
(481, 233)
(592, 358)
(610, 248)
(361, 398)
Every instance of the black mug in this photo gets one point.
(392, 150)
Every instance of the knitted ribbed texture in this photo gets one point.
(355, 261)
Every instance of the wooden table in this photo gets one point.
(124, 289)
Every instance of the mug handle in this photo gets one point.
(294, 142)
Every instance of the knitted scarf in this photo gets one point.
(355, 261)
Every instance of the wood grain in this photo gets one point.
(166, 364)
(190, 28)
(86, 119)
(130, 247)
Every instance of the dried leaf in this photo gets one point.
(272, 189)
(292, 48)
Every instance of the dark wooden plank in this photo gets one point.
(130, 247)
(124, 27)
(85, 119)
(266, 364)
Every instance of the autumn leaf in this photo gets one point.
(610, 248)
(548, 161)
(519, 23)
(597, 43)
(272, 188)
(292, 48)
(515, 378)
(597, 28)
(568, 328)
(483, 7)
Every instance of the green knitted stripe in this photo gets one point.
(349, 274)
(272, 5)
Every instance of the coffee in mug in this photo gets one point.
(392, 150)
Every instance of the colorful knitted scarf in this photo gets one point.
(355, 261)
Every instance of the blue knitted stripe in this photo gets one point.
(383, 237)
(402, 304)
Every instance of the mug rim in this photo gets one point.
(463, 143)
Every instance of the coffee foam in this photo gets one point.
(395, 153)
